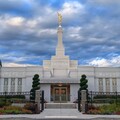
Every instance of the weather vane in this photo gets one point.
(59, 19)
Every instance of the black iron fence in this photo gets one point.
(103, 97)
(14, 93)
(15, 97)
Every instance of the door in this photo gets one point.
(60, 94)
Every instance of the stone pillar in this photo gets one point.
(83, 101)
(79, 101)
(37, 101)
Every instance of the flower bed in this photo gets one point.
(14, 110)
(105, 109)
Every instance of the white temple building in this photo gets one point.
(60, 76)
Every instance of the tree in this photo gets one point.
(83, 83)
(35, 86)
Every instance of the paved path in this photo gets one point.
(64, 114)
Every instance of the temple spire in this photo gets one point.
(60, 48)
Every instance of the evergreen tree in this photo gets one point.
(83, 83)
(35, 86)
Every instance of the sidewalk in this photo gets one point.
(61, 113)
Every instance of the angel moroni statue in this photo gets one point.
(59, 19)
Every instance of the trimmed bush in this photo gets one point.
(83, 83)
(106, 96)
(13, 96)
(30, 106)
(35, 86)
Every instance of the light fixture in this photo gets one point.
(59, 84)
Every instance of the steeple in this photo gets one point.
(60, 51)
(60, 64)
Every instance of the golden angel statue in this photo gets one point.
(59, 18)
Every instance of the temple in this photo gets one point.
(60, 76)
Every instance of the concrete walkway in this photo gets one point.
(61, 113)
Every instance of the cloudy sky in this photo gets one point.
(28, 31)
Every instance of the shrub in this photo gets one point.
(14, 110)
(94, 111)
(30, 106)
(106, 96)
(26, 111)
(13, 96)
(105, 109)
(3, 103)
(35, 86)
(83, 83)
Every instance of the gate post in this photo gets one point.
(83, 101)
(37, 101)
(42, 101)
(79, 101)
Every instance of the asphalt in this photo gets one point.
(59, 114)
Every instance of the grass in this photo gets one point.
(105, 109)
(14, 110)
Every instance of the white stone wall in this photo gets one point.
(107, 72)
(46, 88)
(118, 84)
(26, 73)
(92, 73)
(74, 92)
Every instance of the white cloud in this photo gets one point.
(116, 60)
(46, 32)
(71, 9)
(16, 65)
(102, 62)
(15, 21)
(31, 23)
(73, 33)
(105, 2)
(99, 62)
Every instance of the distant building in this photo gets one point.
(60, 76)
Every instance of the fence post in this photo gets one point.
(91, 97)
(83, 100)
(37, 101)
(116, 97)
(79, 100)
(5, 97)
(42, 101)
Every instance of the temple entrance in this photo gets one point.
(60, 92)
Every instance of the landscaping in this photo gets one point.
(105, 109)
(7, 108)
(14, 110)
(103, 103)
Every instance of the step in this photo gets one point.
(60, 105)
